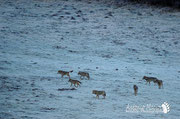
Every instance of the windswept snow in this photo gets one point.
(116, 45)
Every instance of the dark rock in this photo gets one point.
(72, 18)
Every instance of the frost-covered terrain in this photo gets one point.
(116, 45)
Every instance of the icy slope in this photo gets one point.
(116, 45)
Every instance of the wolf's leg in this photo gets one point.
(62, 76)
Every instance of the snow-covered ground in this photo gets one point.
(116, 45)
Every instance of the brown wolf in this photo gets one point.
(135, 90)
(64, 73)
(160, 83)
(97, 93)
(75, 82)
(149, 79)
(83, 74)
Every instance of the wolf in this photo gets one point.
(149, 79)
(97, 93)
(135, 89)
(64, 73)
(83, 74)
(75, 82)
(160, 83)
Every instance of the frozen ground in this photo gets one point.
(37, 38)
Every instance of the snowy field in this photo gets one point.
(116, 45)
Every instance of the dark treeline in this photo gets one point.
(171, 3)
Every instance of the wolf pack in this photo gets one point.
(86, 75)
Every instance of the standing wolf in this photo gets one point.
(160, 83)
(75, 82)
(135, 89)
(83, 74)
(64, 73)
(149, 79)
(97, 93)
